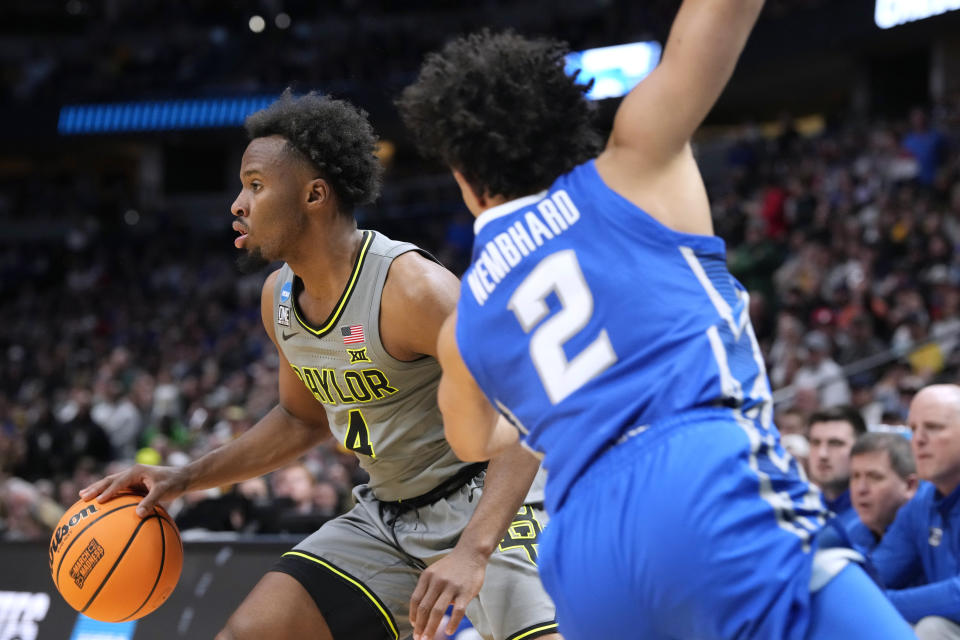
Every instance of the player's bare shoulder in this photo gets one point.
(415, 279)
(418, 295)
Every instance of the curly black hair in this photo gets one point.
(333, 135)
(500, 109)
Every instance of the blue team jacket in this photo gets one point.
(923, 545)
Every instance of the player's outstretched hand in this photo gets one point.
(158, 483)
(454, 580)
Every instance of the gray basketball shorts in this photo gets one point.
(362, 567)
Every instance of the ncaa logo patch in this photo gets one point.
(283, 315)
(286, 291)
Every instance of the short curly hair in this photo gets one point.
(332, 135)
(501, 109)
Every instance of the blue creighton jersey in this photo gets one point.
(584, 319)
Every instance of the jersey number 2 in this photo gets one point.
(560, 273)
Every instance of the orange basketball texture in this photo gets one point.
(112, 565)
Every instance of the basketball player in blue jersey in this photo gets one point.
(355, 318)
(598, 319)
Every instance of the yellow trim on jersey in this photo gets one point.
(366, 592)
(335, 316)
(552, 626)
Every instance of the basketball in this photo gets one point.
(110, 564)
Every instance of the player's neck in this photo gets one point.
(947, 485)
(476, 202)
(832, 491)
(479, 205)
(325, 264)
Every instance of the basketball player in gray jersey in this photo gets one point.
(355, 317)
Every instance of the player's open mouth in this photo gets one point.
(243, 231)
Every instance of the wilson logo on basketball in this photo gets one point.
(86, 562)
(64, 531)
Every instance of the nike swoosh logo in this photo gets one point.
(287, 336)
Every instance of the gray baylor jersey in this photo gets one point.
(382, 409)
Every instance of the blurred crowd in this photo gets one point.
(80, 50)
(146, 349)
(120, 348)
(847, 241)
(115, 50)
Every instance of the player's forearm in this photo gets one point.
(724, 26)
(937, 599)
(705, 42)
(507, 482)
(474, 443)
(278, 438)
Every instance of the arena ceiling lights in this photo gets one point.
(615, 70)
(890, 13)
(167, 115)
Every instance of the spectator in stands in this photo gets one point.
(926, 145)
(860, 341)
(791, 421)
(295, 482)
(922, 543)
(882, 479)
(832, 434)
(25, 513)
(327, 499)
(799, 447)
(296, 513)
(822, 373)
(783, 358)
(116, 412)
(864, 400)
(911, 339)
(754, 262)
(946, 327)
(40, 459)
(210, 511)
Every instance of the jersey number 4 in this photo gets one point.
(560, 273)
(358, 435)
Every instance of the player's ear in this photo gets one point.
(318, 191)
(476, 202)
(913, 481)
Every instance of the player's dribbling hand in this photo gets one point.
(158, 483)
(456, 580)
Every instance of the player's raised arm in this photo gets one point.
(660, 115)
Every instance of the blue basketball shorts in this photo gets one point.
(698, 527)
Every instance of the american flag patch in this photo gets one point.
(352, 334)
